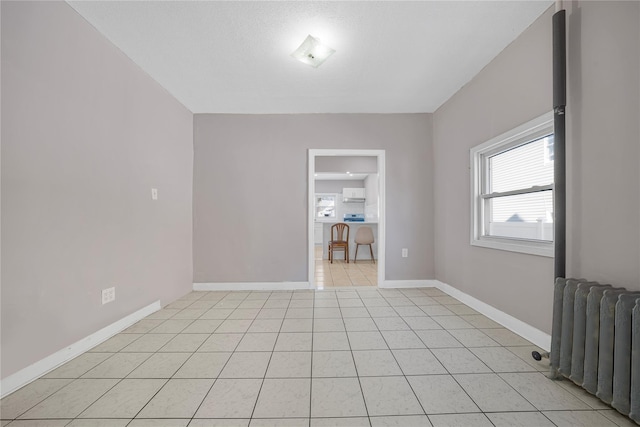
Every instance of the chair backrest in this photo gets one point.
(364, 236)
(339, 230)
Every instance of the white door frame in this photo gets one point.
(380, 154)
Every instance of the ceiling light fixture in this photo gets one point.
(312, 52)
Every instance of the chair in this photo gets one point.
(364, 236)
(339, 242)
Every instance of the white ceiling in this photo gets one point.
(233, 56)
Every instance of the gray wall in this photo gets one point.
(250, 191)
(86, 134)
(334, 186)
(603, 151)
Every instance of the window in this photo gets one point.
(325, 205)
(512, 190)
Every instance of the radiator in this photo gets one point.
(595, 341)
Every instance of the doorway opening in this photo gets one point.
(328, 204)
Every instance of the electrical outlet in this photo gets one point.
(108, 295)
(154, 194)
(405, 252)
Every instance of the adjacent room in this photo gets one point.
(185, 184)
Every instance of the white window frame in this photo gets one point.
(523, 134)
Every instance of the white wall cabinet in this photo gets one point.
(317, 232)
(353, 193)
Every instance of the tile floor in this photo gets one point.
(340, 357)
(341, 274)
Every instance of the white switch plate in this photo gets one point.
(108, 295)
(405, 252)
(154, 193)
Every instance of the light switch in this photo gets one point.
(405, 252)
(154, 193)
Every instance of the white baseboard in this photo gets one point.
(526, 331)
(251, 286)
(389, 284)
(34, 371)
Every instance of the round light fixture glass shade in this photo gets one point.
(312, 52)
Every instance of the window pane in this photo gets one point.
(522, 167)
(524, 216)
(326, 206)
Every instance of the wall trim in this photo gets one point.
(251, 286)
(389, 284)
(34, 371)
(526, 331)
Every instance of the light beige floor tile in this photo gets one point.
(290, 365)
(284, 398)
(337, 397)
(301, 303)
(506, 337)
(265, 325)
(272, 313)
(460, 361)
(206, 326)
(184, 343)
(299, 313)
(326, 303)
(436, 310)
(148, 343)
(582, 394)
(244, 313)
(217, 313)
(441, 394)
(418, 362)
(328, 325)
(400, 421)
(104, 422)
(246, 365)
(524, 353)
(71, 400)
(402, 339)
(391, 324)
(382, 312)
(39, 423)
(352, 302)
(231, 326)
(362, 324)
(542, 392)
(421, 323)
(78, 366)
(329, 341)
(499, 359)
(179, 398)
(354, 312)
(160, 365)
(297, 325)
(452, 322)
(175, 422)
(327, 313)
(28, 396)
(519, 419)
(115, 343)
(257, 342)
(203, 365)
(219, 422)
(502, 397)
(478, 320)
(220, 342)
(279, 422)
(230, 399)
(460, 420)
(277, 303)
(117, 366)
(333, 364)
(445, 300)
(578, 419)
(190, 313)
(376, 363)
(340, 422)
(367, 341)
(125, 399)
(389, 396)
(203, 304)
(172, 326)
(410, 311)
(143, 326)
(294, 341)
(473, 338)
